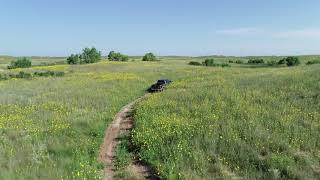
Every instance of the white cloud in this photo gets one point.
(299, 34)
(238, 31)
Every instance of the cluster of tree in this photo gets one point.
(237, 61)
(256, 61)
(20, 63)
(89, 55)
(149, 57)
(313, 62)
(117, 56)
(290, 61)
(208, 62)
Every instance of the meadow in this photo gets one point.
(211, 122)
(251, 123)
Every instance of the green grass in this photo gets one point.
(52, 127)
(36, 61)
(234, 122)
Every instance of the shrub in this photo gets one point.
(23, 75)
(20, 63)
(149, 57)
(272, 63)
(116, 56)
(230, 61)
(239, 61)
(256, 61)
(49, 73)
(313, 62)
(290, 61)
(195, 63)
(209, 62)
(224, 65)
(89, 55)
(282, 61)
(59, 74)
(73, 59)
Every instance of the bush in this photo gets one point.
(290, 61)
(256, 61)
(89, 55)
(23, 75)
(20, 63)
(195, 63)
(272, 63)
(149, 57)
(239, 61)
(282, 61)
(73, 59)
(116, 56)
(230, 61)
(209, 62)
(313, 62)
(224, 65)
(49, 73)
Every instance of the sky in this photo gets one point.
(164, 27)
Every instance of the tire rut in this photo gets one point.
(123, 122)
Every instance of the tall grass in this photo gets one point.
(229, 123)
(52, 128)
(208, 123)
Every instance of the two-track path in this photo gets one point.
(122, 122)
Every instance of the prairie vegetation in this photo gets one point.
(88, 56)
(20, 63)
(210, 122)
(117, 56)
(249, 123)
(149, 57)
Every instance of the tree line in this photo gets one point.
(92, 55)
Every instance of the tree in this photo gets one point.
(208, 62)
(149, 57)
(117, 56)
(20, 63)
(282, 61)
(90, 55)
(256, 61)
(73, 59)
(290, 61)
(111, 56)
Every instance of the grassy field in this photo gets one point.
(211, 122)
(234, 122)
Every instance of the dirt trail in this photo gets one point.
(122, 122)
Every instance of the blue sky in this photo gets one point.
(165, 27)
